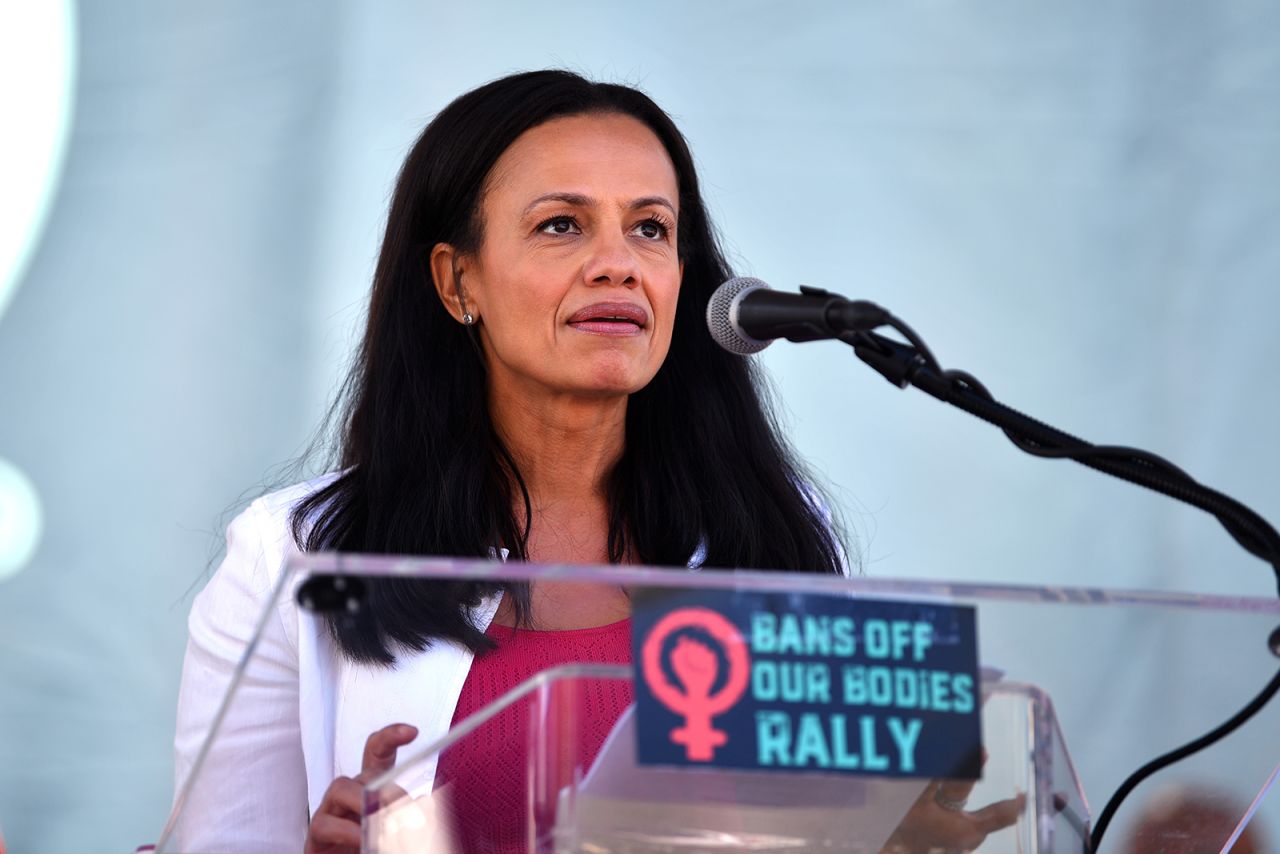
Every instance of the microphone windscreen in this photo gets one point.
(722, 316)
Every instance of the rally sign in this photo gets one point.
(791, 682)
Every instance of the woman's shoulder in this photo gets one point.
(271, 514)
(260, 538)
(275, 509)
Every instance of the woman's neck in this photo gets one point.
(565, 447)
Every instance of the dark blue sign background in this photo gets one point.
(838, 685)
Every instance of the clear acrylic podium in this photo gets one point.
(1079, 687)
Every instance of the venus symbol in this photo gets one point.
(697, 667)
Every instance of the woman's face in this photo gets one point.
(575, 283)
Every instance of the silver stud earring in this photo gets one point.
(468, 320)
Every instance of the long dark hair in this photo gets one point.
(423, 470)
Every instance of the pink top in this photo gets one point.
(487, 771)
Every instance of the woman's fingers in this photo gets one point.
(344, 798)
(938, 822)
(952, 794)
(380, 749)
(999, 815)
(329, 833)
(335, 828)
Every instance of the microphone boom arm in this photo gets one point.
(913, 365)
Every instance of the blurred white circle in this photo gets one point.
(20, 519)
(37, 79)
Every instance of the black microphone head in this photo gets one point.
(722, 316)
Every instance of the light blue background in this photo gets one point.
(1076, 202)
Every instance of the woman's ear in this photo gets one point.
(446, 274)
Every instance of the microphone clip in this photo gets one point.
(896, 362)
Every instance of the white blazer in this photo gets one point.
(302, 711)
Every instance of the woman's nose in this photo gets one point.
(612, 262)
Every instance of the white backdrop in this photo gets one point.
(1076, 203)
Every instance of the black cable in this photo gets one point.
(1139, 467)
(922, 349)
(1254, 706)
(1086, 448)
(916, 365)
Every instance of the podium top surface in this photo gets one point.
(795, 582)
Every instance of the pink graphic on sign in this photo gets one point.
(697, 666)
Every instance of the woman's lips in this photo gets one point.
(610, 318)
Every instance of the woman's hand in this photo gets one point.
(335, 828)
(938, 820)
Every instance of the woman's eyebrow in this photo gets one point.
(647, 201)
(575, 199)
(579, 200)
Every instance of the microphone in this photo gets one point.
(744, 315)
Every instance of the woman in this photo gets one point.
(535, 380)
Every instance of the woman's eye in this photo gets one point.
(559, 225)
(651, 229)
